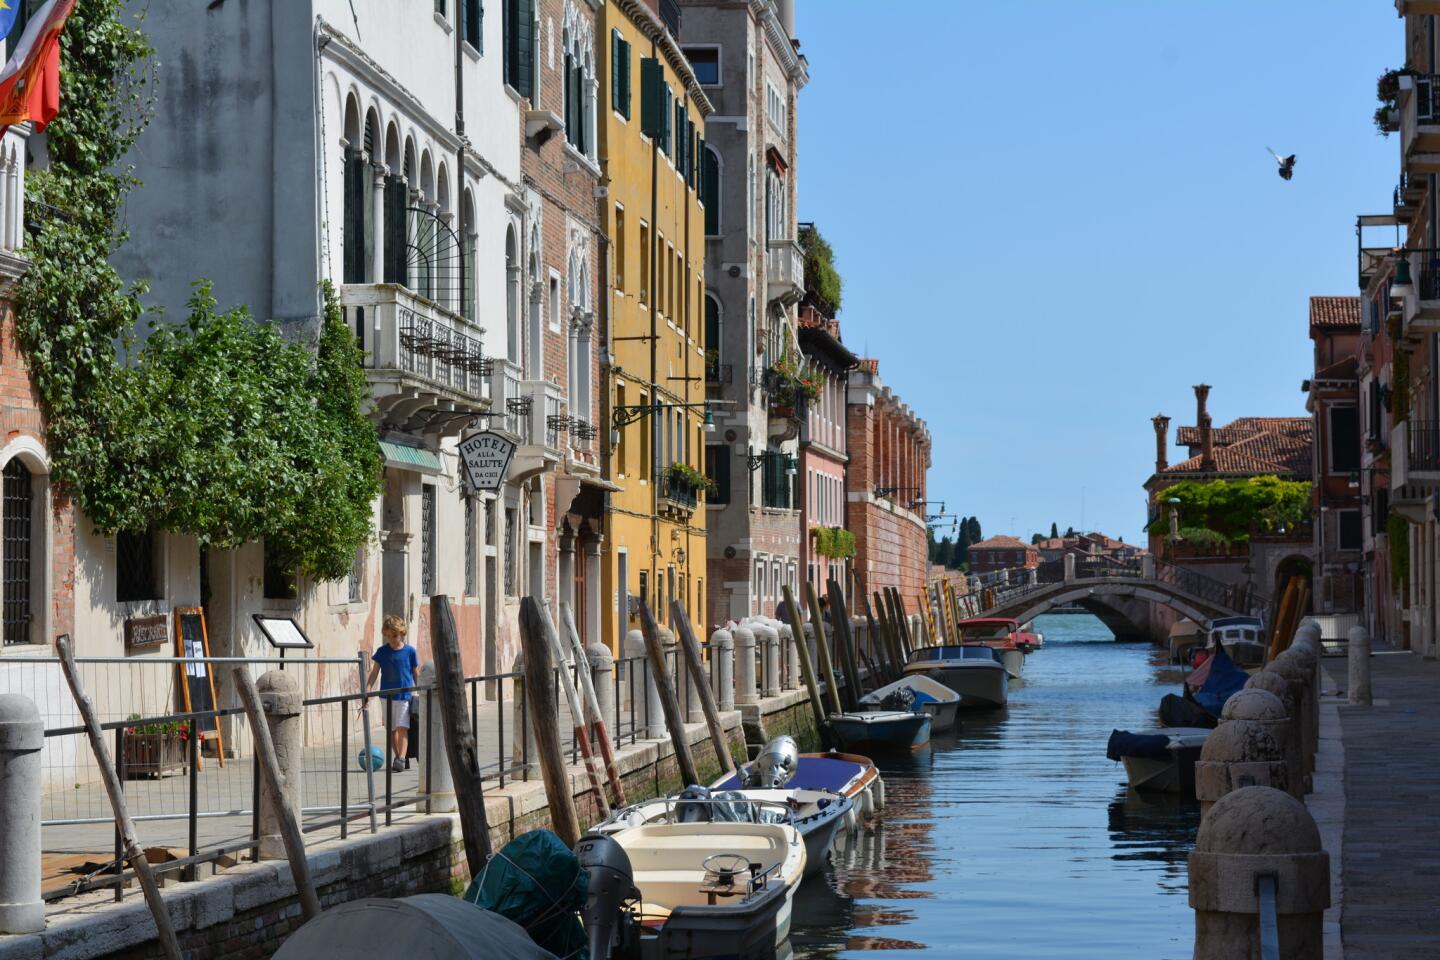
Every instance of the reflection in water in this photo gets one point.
(1014, 837)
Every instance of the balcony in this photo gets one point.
(1417, 284)
(678, 497)
(532, 412)
(1420, 123)
(1415, 454)
(424, 363)
(1407, 196)
(784, 272)
(1411, 501)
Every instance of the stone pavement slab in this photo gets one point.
(1391, 853)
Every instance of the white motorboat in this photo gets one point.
(1242, 637)
(929, 695)
(1160, 759)
(817, 814)
(974, 671)
(704, 890)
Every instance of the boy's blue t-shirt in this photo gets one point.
(397, 669)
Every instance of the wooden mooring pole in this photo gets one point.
(669, 703)
(822, 650)
(460, 748)
(597, 719)
(131, 844)
(544, 714)
(807, 667)
(696, 668)
(840, 618)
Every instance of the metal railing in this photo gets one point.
(1423, 447)
(719, 373)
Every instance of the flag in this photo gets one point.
(9, 10)
(30, 81)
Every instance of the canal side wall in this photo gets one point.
(246, 912)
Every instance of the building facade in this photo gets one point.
(651, 141)
(827, 547)
(746, 57)
(885, 485)
(1002, 552)
(1333, 401)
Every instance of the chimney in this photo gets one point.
(1202, 393)
(1207, 446)
(1162, 432)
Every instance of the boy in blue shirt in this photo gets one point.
(396, 663)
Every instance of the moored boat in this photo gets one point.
(972, 670)
(703, 890)
(1242, 637)
(847, 774)
(1161, 759)
(932, 696)
(1002, 635)
(882, 729)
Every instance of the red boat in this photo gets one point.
(1002, 635)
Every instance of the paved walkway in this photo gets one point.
(1390, 860)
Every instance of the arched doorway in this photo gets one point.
(24, 546)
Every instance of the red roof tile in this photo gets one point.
(1237, 430)
(1335, 312)
(1001, 542)
(1264, 453)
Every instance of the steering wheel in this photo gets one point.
(726, 866)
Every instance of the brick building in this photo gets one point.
(1333, 401)
(1002, 552)
(889, 449)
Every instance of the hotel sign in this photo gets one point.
(486, 457)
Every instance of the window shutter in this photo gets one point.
(710, 189)
(524, 48)
(616, 76)
(652, 99)
(625, 56)
(396, 200)
(665, 118)
(567, 77)
(354, 246)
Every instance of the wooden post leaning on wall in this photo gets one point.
(460, 748)
(669, 703)
(807, 666)
(822, 650)
(840, 619)
(696, 668)
(544, 716)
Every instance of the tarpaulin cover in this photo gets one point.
(1225, 680)
(814, 773)
(1126, 744)
(1176, 711)
(536, 881)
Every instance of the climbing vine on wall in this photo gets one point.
(218, 427)
(1236, 509)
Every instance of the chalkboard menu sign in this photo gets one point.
(197, 681)
(146, 633)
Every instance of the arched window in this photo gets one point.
(512, 296)
(24, 516)
(710, 190)
(712, 339)
(578, 81)
(353, 239)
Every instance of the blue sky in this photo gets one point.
(1053, 217)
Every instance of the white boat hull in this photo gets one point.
(942, 707)
(980, 683)
(1014, 661)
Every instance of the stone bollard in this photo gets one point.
(722, 651)
(769, 639)
(1239, 753)
(791, 656)
(435, 779)
(22, 735)
(1257, 705)
(653, 716)
(1068, 564)
(1357, 655)
(523, 751)
(1298, 671)
(744, 664)
(281, 700)
(1251, 835)
(602, 677)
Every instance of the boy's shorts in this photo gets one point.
(399, 713)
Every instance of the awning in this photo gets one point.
(402, 456)
(602, 484)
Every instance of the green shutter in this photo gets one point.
(396, 200)
(615, 75)
(356, 197)
(625, 48)
(665, 119)
(652, 98)
(710, 189)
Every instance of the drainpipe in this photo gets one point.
(655, 465)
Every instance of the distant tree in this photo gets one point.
(960, 555)
(944, 551)
(1054, 531)
(1035, 538)
(1069, 531)
(974, 529)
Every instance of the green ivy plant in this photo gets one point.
(219, 427)
(834, 542)
(1233, 510)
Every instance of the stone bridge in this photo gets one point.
(1121, 594)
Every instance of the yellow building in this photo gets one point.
(651, 134)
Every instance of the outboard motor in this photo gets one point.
(775, 766)
(612, 882)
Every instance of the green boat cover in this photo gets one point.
(536, 881)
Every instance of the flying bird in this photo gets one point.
(1287, 164)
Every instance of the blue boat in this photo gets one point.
(882, 729)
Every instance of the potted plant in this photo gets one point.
(154, 749)
(1387, 91)
(685, 480)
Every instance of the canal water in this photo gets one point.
(1014, 837)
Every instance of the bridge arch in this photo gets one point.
(1034, 605)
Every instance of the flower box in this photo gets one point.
(153, 755)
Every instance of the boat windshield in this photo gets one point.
(954, 653)
(987, 631)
